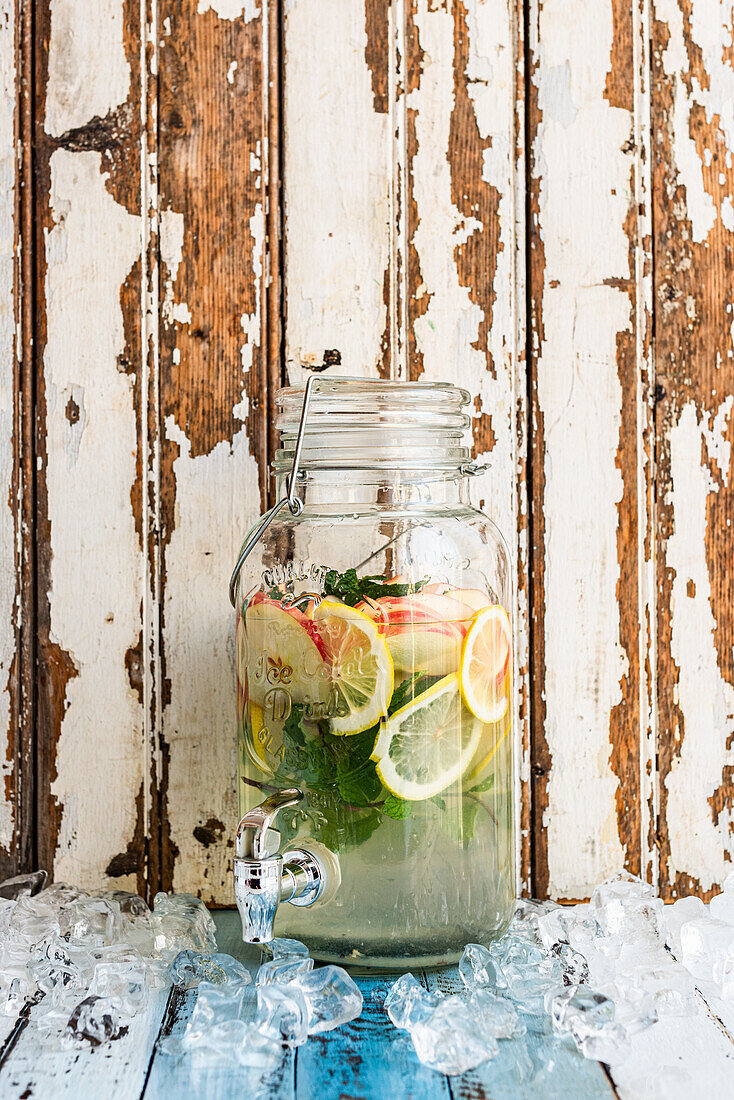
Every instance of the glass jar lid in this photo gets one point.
(358, 423)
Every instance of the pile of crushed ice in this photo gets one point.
(89, 963)
(596, 974)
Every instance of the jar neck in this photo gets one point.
(337, 489)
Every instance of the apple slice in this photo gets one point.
(285, 653)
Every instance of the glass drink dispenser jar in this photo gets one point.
(374, 682)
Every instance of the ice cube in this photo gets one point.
(676, 915)
(57, 964)
(180, 921)
(721, 907)
(408, 1002)
(121, 976)
(191, 967)
(94, 1021)
(626, 907)
(331, 996)
(131, 905)
(582, 1011)
(34, 922)
(282, 1013)
(95, 921)
(235, 1041)
(574, 965)
(635, 1009)
(525, 973)
(449, 1041)
(281, 971)
(476, 967)
(707, 951)
(215, 1004)
(608, 1045)
(495, 1016)
(288, 949)
(23, 885)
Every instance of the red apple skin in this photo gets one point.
(308, 624)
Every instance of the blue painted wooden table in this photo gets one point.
(366, 1059)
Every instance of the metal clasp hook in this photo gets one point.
(290, 498)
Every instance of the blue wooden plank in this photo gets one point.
(170, 1077)
(538, 1064)
(367, 1058)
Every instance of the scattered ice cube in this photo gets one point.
(573, 964)
(282, 971)
(235, 1040)
(408, 1002)
(215, 1004)
(288, 949)
(721, 907)
(191, 967)
(93, 1022)
(607, 1045)
(131, 905)
(121, 975)
(282, 1014)
(476, 967)
(625, 906)
(182, 920)
(495, 1016)
(96, 921)
(582, 1011)
(707, 951)
(23, 885)
(331, 996)
(449, 1041)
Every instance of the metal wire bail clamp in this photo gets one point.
(290, 498)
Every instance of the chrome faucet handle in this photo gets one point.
(263, 880)
(252, 832)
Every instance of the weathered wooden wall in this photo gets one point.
(535, 199)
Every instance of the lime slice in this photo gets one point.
(485, 664)
(427, 745)
(361, 667)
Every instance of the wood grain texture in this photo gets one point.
(590, 317)
(693, 99)
(92, 760)
(213, 194)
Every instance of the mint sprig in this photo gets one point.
(350, 588)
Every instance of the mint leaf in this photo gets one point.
(350, 588)
(486, 785)
(469, 811)
(407, 690)
(396, 808)
(360, 788)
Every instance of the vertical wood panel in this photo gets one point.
(92, 754)
(464, 251)
(339, 200)
(12, 793)
(590, 333)
(213, 161)
(693, 99)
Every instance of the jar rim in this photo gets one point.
(372, 423)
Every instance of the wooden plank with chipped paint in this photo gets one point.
(92, 755)
(591, 584)
(692, 100)
(213, 194)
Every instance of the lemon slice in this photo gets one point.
(427, 745)
(362, 674)
(485, 661)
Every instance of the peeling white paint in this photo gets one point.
(217, 499)
(230, 9)
(583, 206)
(96, 564)
(88, 72)
(698, 847)
(710, 27)
(171, 239)
(7, 365)
(231, 71)
(336, 190)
